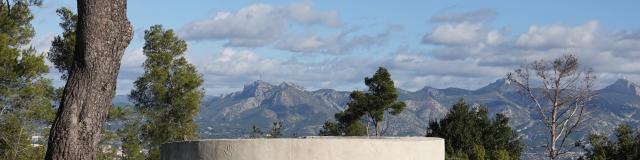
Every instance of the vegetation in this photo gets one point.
(565, 92)
(63, 46)
(381, 98)
(168, 94)
(469, 133)
(625, 146)
(167, 97)
(274, 132)
(25, 95)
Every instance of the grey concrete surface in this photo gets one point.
(307, 148)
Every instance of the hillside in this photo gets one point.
(304, 111)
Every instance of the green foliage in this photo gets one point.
(15, 22)
(63, 46)
(168, 94)
(381, 98)
(479, 153)
(627, 145)
(341, 129)
(469, 132)
(256, 132)
(276, 130)
(25, 95)
(501, 154)
(130, 136)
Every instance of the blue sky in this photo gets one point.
(334, 44)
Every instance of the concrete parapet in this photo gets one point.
(308, 148)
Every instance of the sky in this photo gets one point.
(335, 44)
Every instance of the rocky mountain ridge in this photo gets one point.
(303, 112)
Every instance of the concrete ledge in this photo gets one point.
(308, 148)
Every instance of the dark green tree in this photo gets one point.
(256, 132)
(168, 94)
(470, 133)
(626, 145)
(381, 98)
(63, 46)
(25, 95)
(276, 130)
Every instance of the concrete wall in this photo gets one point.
(309, 148)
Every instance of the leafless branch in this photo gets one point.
(561, 99)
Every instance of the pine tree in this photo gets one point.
(25, 95)
(625, 146)
(256, 132)
(63, 46)
(168, 94)
(381, 98)
(276, 130)
(469, 132)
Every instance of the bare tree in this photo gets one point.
(561, 97)
(103, 32)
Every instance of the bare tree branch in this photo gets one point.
(561, 99)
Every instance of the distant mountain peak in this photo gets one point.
(623, 86)
(256, 88)
(624, 82)
(286, 84)
(499, 84)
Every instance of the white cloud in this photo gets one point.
(257, 24)
(559, 36)
(468, 62)
(231, 68)
(455, 34)
(488, 52)
(304, 13)
(339, 43)
(133, 58)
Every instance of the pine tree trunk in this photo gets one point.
(103, 33)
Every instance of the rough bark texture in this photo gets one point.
(103, 33)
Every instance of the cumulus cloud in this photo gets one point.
(462, 50)
(257, 24)
(468, 62)
(131, 68)
(229, 69)
(339, 43)
(485, 49)
(455, 34)
(410, 68)
(558, 36)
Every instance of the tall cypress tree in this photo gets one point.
(25, 95)
(168, 93)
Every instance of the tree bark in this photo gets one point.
(103, 33)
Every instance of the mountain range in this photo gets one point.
(303, 112)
